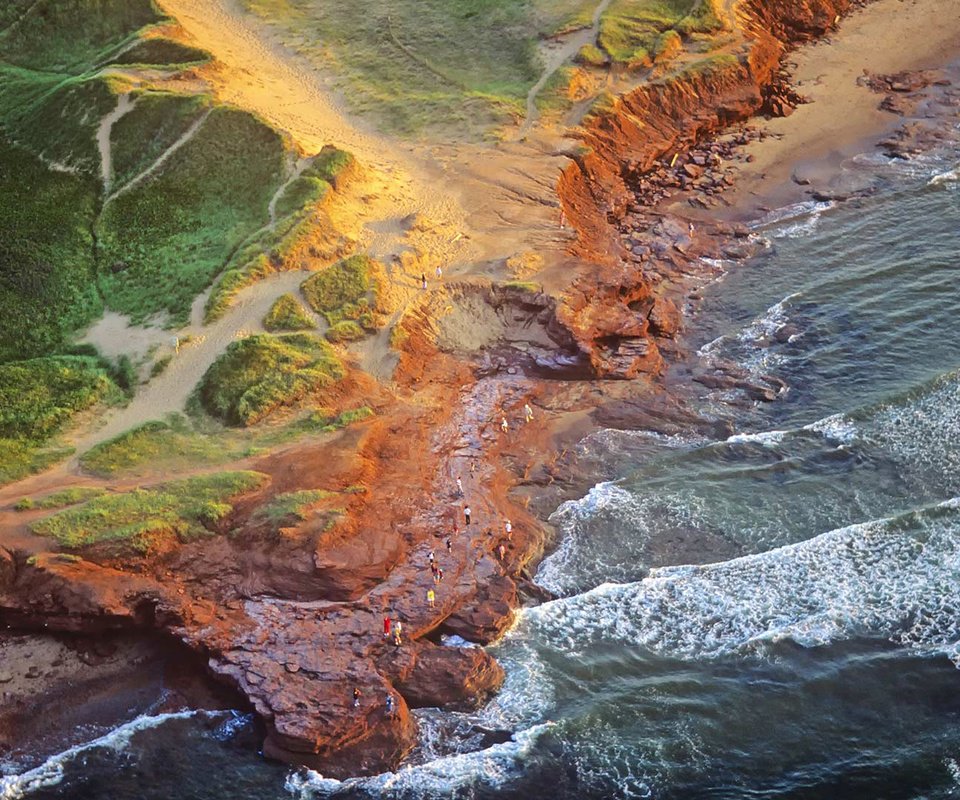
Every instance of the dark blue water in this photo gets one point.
(815, 657)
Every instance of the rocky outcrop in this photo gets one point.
(647, 130)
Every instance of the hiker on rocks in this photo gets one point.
(356, 697)
(504, 426)
(466, 514)
(397, 633)
(386, 627)
(433, 570)
(439, 575)
(389, 704)
(502, 550)
(431, 557)
(439, 272)
(527, 413)
(423, 281)
(431, 598)
(508, 527)
(459, 487)
(449, 545)
(473, 466)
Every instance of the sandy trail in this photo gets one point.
(124, 106)
(169, 391)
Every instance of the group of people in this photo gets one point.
(393, 627)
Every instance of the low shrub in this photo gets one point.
(257, 375)
(286, 314)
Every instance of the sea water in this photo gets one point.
(803, 642)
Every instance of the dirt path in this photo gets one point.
(555, 54)
(124, 106)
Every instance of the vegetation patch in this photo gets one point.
(37, 397)
(297, 213)
(73, 35)
(141, 518)
(156, 121)
(261, 373)
(163, 241)
(287, 314)
(291, 507)
(429, 65)
(347, 291)
(61, 499)
(630, 31)
(47, 269)
(167, 444)
(162, 52)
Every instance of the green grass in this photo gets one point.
(141, 518)
(347, 290)
(591, 55)
(428, 66)
(73, 35)
(167, 444)
(46, 255)
(630, 30)
(173, 443)
(286, 314)
(523, 286)
(156, 121)
(291, 507)
(259, 374)
(162, 52)
(345, 331)
(61, 499)
(60, 124)
(37, 398)
(296, 214)
(165, 239)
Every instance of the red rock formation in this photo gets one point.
(630, 137)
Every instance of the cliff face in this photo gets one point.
(609, 309)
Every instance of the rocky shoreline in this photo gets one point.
(291, 620)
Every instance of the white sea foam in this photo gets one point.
(596, 528)
(767, 438)
(892, 578)
(490, 768)
(51, 771)
(949, 176)
(792, 221)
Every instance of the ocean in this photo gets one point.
(815, 653)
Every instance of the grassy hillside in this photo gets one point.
(165, 239)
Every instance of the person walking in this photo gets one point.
(508, 527)
(423, 281)
(449, 545)
(504, 426)
(431, 598)
(502, 550)
(459, 486)
(389, 704)
(439, 272)
(431, 556)
(527, 413)
(439, 575)
(397, 633)
(386, 627)
(356, 697)
(466, 515)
